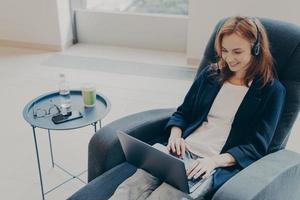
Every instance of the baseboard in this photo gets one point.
(29, 45)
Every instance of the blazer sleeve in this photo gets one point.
(258, 144)
(181, 117)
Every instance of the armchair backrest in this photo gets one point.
(285, 47)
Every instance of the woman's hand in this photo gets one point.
(177, 145)
(201, 166)
(206, 165)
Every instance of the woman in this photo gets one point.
(227, 119)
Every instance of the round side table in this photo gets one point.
(46, 102)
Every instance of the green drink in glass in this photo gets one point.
(89, 95)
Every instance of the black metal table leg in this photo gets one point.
(95, 126)
(50, 143)
(38, 161)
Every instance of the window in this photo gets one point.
(174, 7)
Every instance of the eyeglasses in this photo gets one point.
(43, 112)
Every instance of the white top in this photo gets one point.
(208, 139)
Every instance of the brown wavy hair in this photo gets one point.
(262, 65)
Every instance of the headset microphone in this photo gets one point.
(219, 69)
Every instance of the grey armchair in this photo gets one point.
(275, 176)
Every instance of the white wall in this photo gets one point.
(37, 22)
(65, 24)
(32, 21)
(203, 15)
(161, 32)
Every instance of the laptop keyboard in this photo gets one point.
(197, 182)
(193, 182)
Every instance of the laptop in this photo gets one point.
(164, 166)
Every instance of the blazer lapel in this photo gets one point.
(211, 90)
(249, 104)
(203, 102)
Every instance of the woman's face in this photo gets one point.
(236, 51)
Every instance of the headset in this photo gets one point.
(256, 47)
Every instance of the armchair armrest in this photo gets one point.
(275, 176)
(105, 150)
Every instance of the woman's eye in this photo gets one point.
(224, 50)
(238, 52)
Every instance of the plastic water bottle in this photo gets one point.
(65, 97)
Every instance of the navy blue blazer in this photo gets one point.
(253, 126)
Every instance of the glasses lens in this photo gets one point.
(53, 110)
(40, 112)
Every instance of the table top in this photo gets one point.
(90, 115)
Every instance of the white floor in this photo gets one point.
(23, 76)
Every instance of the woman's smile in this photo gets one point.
(233, 64)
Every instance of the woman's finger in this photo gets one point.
(200, 172)
(192, 167)
(195, 170)
(182, 145)
(178, 147)
(173, 146)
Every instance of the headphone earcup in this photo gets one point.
(255, 49)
